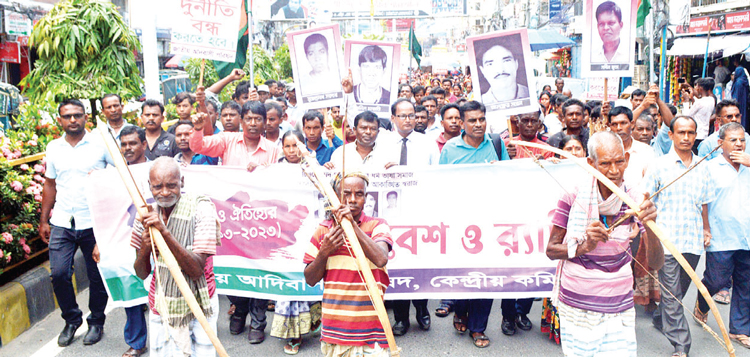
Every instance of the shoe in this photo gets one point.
(93, 335)
(256, 336)
(132, 352)
(400, 328)
(67, 335)
(508, 327)
(236, 324)
(423, 319)
(523, 322)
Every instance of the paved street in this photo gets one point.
(441, 340)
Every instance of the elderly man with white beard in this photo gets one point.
(192, 233)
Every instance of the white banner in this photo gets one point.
(459, 231)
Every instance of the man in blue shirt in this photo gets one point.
(727, 111)
(728, 254)
(473, 146)
(69, 160)
(312, 124)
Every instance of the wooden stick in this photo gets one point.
(363, 264)
(203, 68)
(654, 228)
(606, 85)
(169, 259)
(510, 129)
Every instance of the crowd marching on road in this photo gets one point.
(610, 257)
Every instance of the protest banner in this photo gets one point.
(608, 44)
(467, 243)
(206, 28)
(595, 89)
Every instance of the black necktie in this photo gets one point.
(403, 151)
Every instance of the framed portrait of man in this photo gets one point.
(288, 10)
(374, 67)
(503, 74)
(608, 46)
(316, 65)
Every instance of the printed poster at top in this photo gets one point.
(502, 62)
(316, 65)
(374, 67)
(206, 28)
(608, 48)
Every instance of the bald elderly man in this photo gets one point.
(192, 234)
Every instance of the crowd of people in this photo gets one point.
(610, 260)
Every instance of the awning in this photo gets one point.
(696, 46)
(545, 39)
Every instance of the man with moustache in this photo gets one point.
(364, 152)
(159, 142)
(246, 149)
(452, 124)
(69, 160)
(528, 127)
(609, 24)
(641, 155)
(572, 119)
(499, 67)
(133, 145)
(422, 118)
(192, 233)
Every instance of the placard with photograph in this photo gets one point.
(608, 48)
(374, 66)
(501, 61)
(316, 65)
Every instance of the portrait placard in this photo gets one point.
(503, 71)
(316, 64)
(608, 48)
(374, 67)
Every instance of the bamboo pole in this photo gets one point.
(654, 228)
(363, 264)
(156, 237)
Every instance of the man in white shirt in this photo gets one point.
(609, 24)
(407, 147)
(702, 107)
(641, 155)
(365, 152)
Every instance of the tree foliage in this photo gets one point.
(85, 51)
(284, 61)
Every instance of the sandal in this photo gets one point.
(741, 339)
(292, 348)
(459, 323)
(723, 297)
(231, 309)
(316, 327)
(679, 354)
(479, 338)
(698, 315)
(443, 310)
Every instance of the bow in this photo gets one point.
(156, 237)
(654, 228)
(312, 170)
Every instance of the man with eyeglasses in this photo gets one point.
(727, 111)
(69, 160)
(160, 142)
(408, 147)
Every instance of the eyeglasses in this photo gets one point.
(406, 116)
(78, 116)
(733, 116)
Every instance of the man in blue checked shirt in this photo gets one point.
(682, 213)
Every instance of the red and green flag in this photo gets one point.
(644, 7)
(223, 69)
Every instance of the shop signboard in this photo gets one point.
(17, 24)
(10, 52)
(733, 21)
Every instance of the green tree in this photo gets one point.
(85, 51)
(284, 61)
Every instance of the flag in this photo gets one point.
(414, 47)
(223, 69)
(644, 7)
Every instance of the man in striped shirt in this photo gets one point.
(350, 325)
(595, 285)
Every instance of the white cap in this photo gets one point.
(263, 88)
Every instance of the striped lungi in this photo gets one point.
(595, 334)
